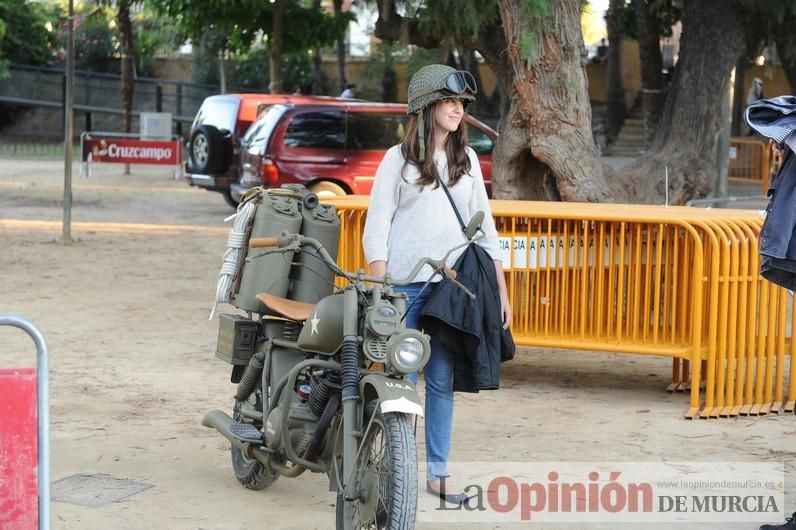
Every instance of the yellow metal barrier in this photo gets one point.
(750, 161)
(677, 282)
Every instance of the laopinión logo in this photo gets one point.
(611, 492)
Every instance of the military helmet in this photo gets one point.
(437, 82)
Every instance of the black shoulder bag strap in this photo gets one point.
(455, 209)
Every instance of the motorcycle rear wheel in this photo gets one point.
(386, 473)
(252, 474)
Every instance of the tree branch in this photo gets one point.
(391, 26)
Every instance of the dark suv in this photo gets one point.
(216, 131)
(333, 149)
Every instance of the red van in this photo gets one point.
(220, 122)
(333, 148)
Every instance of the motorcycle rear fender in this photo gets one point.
(395, 395)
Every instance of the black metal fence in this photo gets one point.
(97, 98)
(22, 149)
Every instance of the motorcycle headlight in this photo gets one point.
(408, 351)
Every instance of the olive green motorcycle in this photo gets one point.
(325, 388)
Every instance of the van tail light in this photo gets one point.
(269, 172)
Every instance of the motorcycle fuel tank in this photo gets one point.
(323, 331)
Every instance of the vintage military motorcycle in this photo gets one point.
(321, 386)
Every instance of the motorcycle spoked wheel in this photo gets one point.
(386, 471)
(251, 473)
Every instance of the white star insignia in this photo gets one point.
(315, 321)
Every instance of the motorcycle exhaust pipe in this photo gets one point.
(221, 421)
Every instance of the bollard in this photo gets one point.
(25, 438)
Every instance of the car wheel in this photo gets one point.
(207, 149)
(230, 199)
(327, 189)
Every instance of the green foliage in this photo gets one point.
(457, 20)
(26, 39)
(379, 82)
(767, 23)
(250, 70)
(154, 34)
(310, 28)
(194, 17)
(3, 60)
(95, 38)
(243, 21)
(297, 72)
(667, 13)
(532, 13)
(421, 57)
(205, 56)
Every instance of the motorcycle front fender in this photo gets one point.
(394, 395)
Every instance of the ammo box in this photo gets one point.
(237, 337)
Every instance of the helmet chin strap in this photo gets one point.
(421, 132)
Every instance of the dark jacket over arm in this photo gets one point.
(470, 329)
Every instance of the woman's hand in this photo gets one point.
(775, 147)
(505, 304)
(505, 309)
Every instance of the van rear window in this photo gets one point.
(320, 130)
(220, 114)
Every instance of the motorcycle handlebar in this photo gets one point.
(270, 242)
(264, 242)
(287, 242)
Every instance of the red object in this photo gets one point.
(270, 173)
(19, 498)
(131, 151)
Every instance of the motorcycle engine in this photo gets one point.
(301, 424)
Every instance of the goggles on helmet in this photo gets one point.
(460, 82)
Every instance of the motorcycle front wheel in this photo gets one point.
(252, 474)
(386, 474)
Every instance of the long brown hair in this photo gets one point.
(455, 150)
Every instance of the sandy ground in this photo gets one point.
(125, 313)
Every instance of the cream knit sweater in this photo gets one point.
(405, 223)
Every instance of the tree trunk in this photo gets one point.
(483, 104)
(686, 140)
(652, 94)
(786, 41)
(617, 109)
(342, 81)
(739, 127)
(277, 40)
(222, 70)
(546, 150)
(317, 80)
(127, 65)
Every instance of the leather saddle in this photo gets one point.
(290, 309)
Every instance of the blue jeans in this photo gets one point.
(438, 375)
